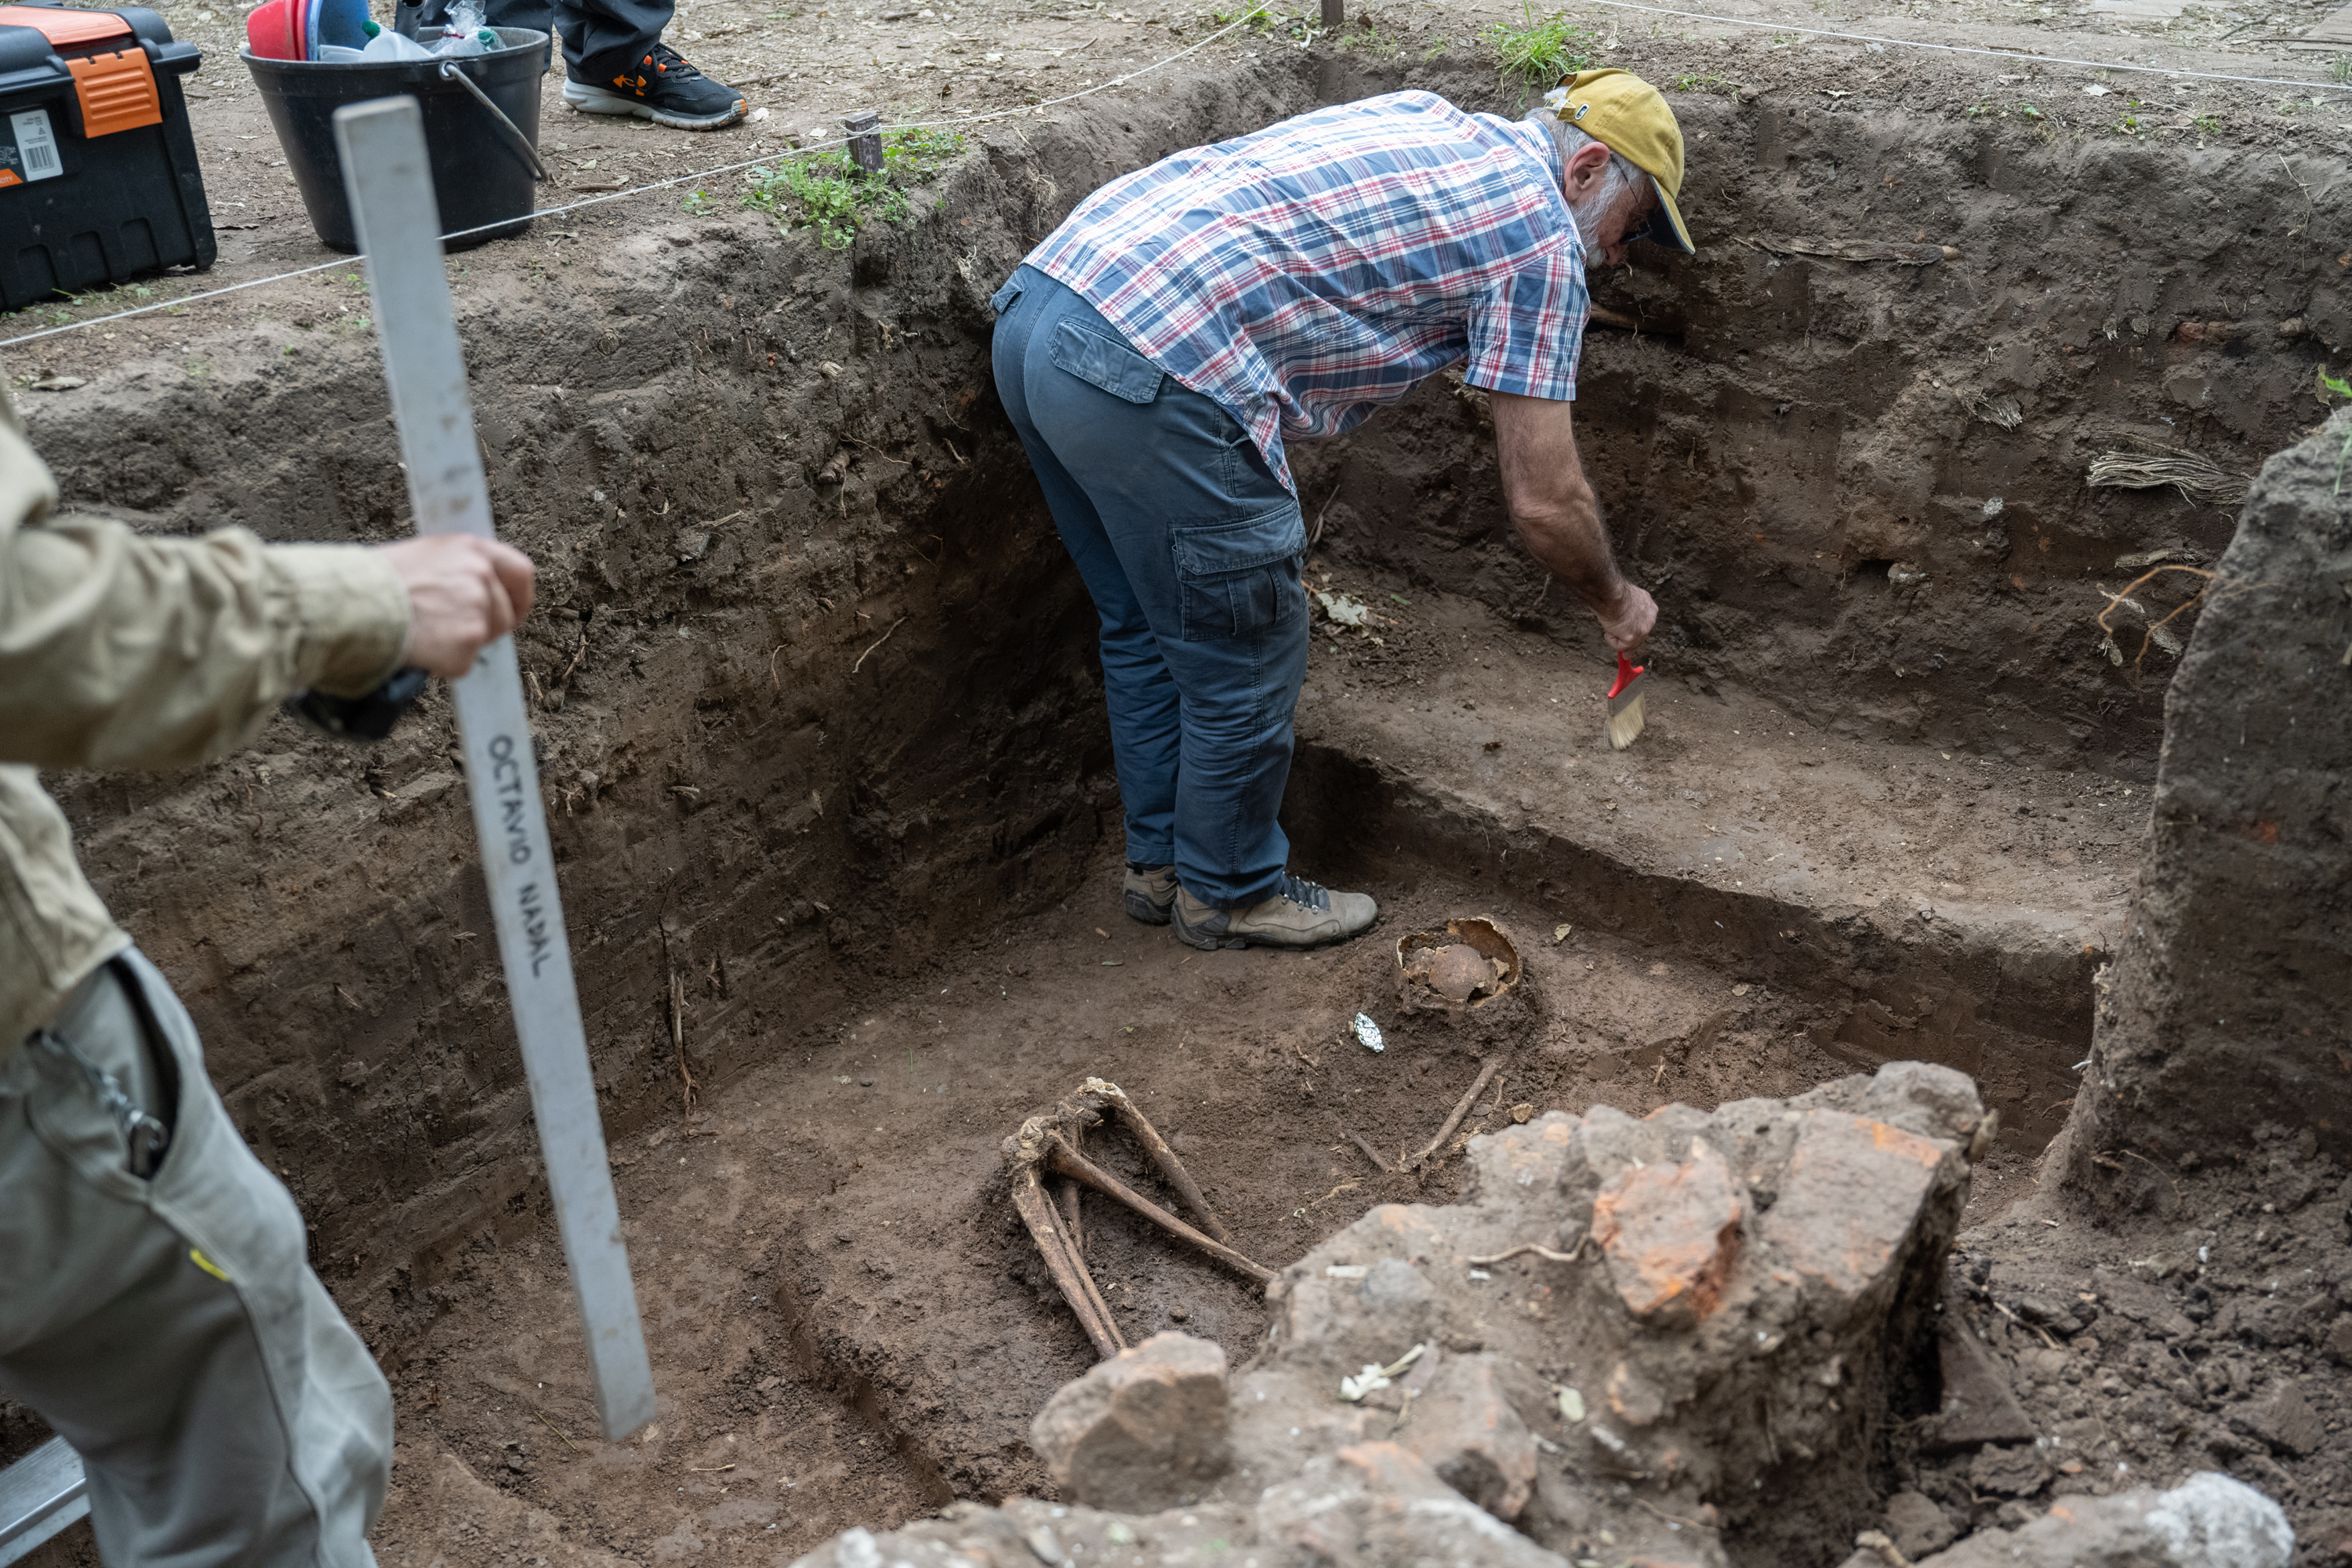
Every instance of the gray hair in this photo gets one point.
(1570, 142)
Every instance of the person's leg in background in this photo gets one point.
(1145, 732)
(615, 63)
(1207, 545)
(167, 1324)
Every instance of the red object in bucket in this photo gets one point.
(273, 30)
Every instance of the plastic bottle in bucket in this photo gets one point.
(384, 44)
(481, 41)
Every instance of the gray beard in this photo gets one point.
(1590, 213)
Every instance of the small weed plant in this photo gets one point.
(1536, 57)
(1709, 81)
(2334, 385)
(824, 192)
(1370, 40)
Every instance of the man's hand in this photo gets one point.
(464, 592)
(1627, 620)
(1553, 508)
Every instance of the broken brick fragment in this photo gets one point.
(1671, 1234)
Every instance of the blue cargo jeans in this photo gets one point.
(1193, 551)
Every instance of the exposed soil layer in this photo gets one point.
(822, 737)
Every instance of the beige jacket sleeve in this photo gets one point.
(118, 650)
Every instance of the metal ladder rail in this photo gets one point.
(40, 1494)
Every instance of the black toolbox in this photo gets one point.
(98, 171)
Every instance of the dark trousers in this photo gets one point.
(1192, 548)
(600, 36)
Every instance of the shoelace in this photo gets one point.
(673, 66)
(1299, 890)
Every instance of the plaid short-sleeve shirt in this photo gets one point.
(1306, 274)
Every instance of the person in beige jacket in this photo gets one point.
(157, 1306)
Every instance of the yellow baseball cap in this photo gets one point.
(1628, 116)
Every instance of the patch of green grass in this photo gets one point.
(824, 193)
(1369, 40)
(2340, 69)
(1536, 57)
(2340, 388)
(695, 203)
(1709, 81)
(2208, 124)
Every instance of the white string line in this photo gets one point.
(353, 260)
(1967, 48)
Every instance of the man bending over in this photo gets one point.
(1161, 347)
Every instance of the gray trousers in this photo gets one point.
(169, 1328)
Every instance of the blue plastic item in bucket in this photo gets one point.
(481, 131)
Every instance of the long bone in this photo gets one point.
(1047, 1146)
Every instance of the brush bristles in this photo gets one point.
(1625, 723)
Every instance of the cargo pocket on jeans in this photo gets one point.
(1240, 579)
(1100, 362)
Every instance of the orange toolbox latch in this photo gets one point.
(117, 91)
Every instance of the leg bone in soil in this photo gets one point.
(1048, 1145)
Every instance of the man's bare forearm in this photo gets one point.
(1566, 536)
(1554, 509)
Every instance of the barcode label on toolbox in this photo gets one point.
(36, 145)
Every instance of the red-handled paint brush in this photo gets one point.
(1625, 703)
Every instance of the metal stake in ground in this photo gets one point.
(391, 187)
(865, 140)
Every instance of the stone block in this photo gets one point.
(1922, 1097)
(1916, 1525)
(1378, 1503)
(2286, 1420)
(2009, 1472)
(1143, 1431)
(1853, 1193)
(1671, 1235)
(1979, 1406)
(2207, 1521)
(1465, 1431)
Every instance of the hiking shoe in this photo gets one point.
(1149, 892)
(661, 87)
(1302, 914)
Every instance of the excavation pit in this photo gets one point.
(831, 787)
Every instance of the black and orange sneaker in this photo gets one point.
(660, 86)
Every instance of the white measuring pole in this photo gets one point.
(390, 182)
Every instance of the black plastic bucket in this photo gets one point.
(479, 176)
